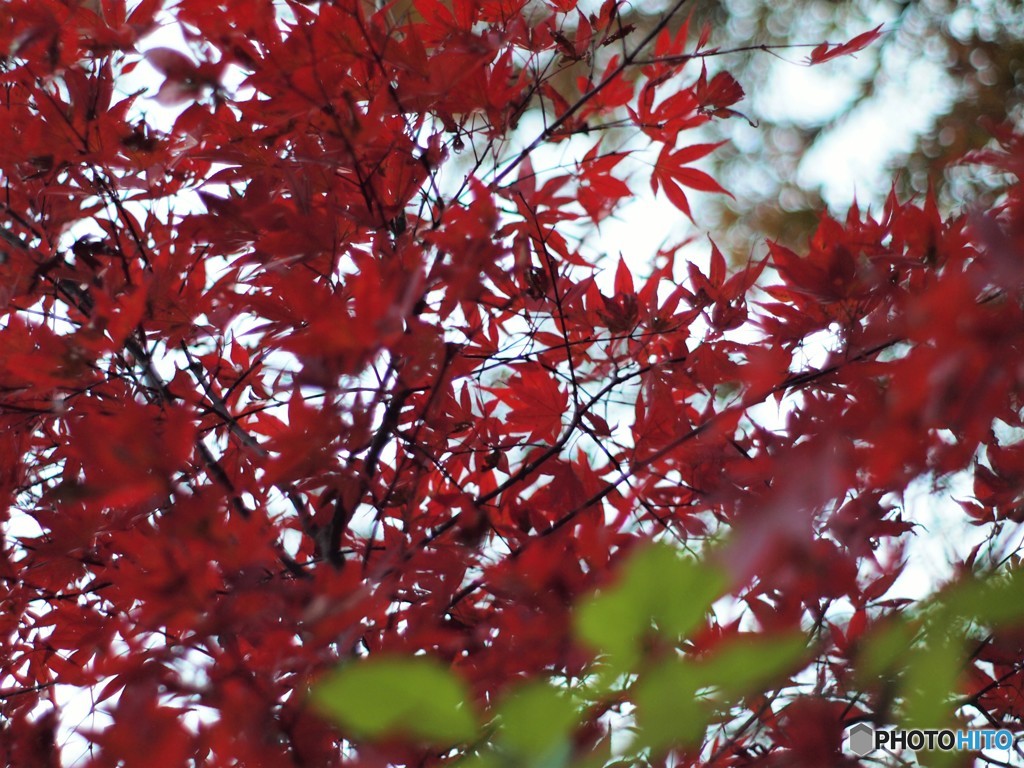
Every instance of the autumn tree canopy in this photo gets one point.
(336, 431)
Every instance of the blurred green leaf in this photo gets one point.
(884, 648)
(535, 721)
(415, 698)
(659, 587)
(993, 600)
(744, 666)
(678, 698)
(668, 710)
(929, 683)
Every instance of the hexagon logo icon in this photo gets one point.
(861, 739)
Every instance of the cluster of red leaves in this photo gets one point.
(301, 379)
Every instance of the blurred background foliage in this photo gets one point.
(943, 73)
(902, 112)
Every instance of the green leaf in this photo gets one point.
(658, 588)
(415, 698)
(997, 599)
(930, 683)
(745, 666)
(610, 622)
(677, 699)
(668, 710)
(535, 720)
(884, 648)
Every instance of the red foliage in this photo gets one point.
(325, 370)
(826, 52)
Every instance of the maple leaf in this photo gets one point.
(536, 401)
(827, 52)
(672, 173)
(184, 79)
(717, 96)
